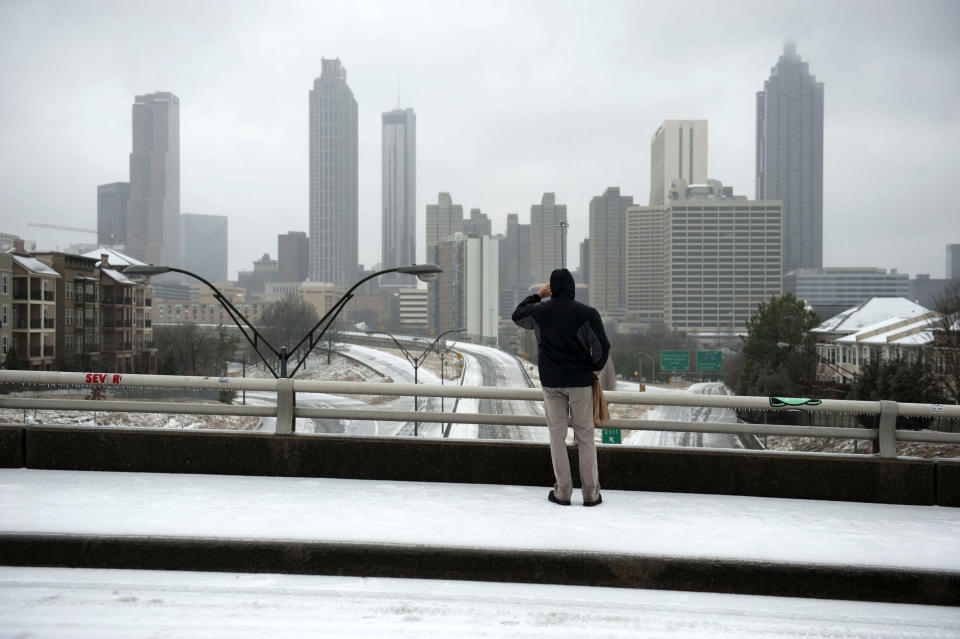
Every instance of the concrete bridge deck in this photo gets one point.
(480, 532)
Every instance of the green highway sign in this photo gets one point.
(675, 360)
(611, 436)
(709, 360)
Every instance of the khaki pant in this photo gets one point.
(572, 406)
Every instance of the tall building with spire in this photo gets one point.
(399, 192)
(790, 156)
(153, 210)
(333, 177)
(678, 151)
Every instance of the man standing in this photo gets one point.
(572, 345)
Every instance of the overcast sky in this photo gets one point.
(512, 99)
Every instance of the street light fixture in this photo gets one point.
(416, 361)
(425, 272)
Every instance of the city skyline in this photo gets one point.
(497, 130)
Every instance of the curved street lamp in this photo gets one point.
(416, 361)
(425, 272)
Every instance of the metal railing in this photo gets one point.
(286, 411)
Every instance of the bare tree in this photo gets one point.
(287, 322)
(190, 349)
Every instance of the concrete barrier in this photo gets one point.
(763, 474)
(948, 482)
(484, 564)
(11, 446)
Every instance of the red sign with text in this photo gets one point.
(102, 378)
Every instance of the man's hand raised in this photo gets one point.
(544, 291)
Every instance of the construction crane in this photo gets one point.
(78, 229)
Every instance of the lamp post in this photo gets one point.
(425, 272)
(442, 354)
(416, 361)
(653, 364)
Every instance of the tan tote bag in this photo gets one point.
(601, 414)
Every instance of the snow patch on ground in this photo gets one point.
(134, 604)
(343, 510)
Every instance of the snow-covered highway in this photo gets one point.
(489, 366)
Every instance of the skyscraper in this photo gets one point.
(608, 250)
(467, 293)
(333, 177)
(548, 249)
(514, 264)
(443, 220)
(790, 156)
(477, 224)
(704, 260)
(293, 251)
(678, 151)
(112, 213)
(204, 242)
(953, 261)
(153, 210)
(399, 191)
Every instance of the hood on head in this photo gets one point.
(562, 284)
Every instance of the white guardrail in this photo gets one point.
(286, 411)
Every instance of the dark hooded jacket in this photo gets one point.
(570, 335)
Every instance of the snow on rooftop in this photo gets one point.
(905, 331)
(117, 276)
(34, 265)
(114, 257)
(872, 311)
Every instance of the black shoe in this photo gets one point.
(595, 502)
(562, 502)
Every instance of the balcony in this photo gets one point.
(107, 301)
(19, 295)
(148, 323)
(36, 323)
(49, 296)
(49, 323)
(128, 301)
(90, 297)
(36, 295)
(35, 351)
(149, 302)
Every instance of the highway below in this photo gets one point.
(502, 369)
(690, 414)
